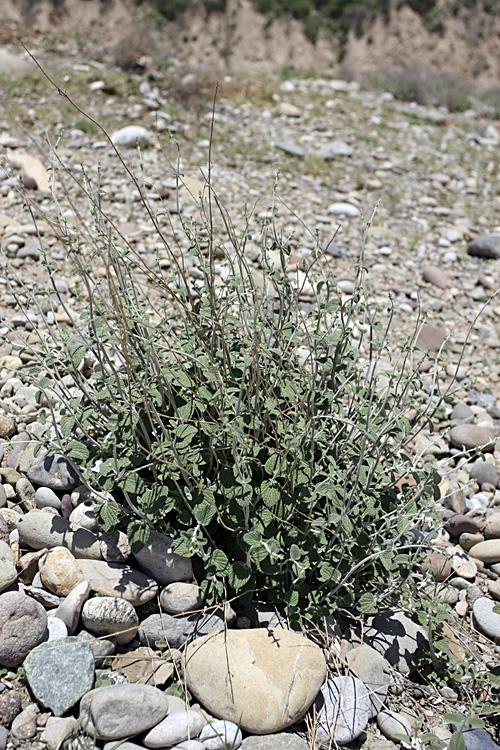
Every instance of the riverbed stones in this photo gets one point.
(435, 275)
(8, 575)
(123, 710)
(437, 565)
(23, 623)
(278, 741)
(40, 528)
(131, 136)
(470, 436)
(484, 472)
(487, 620)
(54, 472)
(460, 524)
(47, 498)
(70, 609)
(491, 528)
(219, 735)
(158, 560)
(175, 728)
(342, 711)
(59, 571)
(374, 671)
(393, 724)
(123, 581)
(60, 672)
(487, 551)
(145, 666)
(111, 616)
(10, 706)
(263, 680)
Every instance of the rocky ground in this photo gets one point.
(427, 181)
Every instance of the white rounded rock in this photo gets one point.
(177, 598)
(391, 724)
(175, 728)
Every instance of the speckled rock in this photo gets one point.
(111, 616)
(23, 623)
(60, 571)
(60, 672)
(487, 620)
(54, 472)
(261, 696)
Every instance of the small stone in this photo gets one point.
(494, 589)
(460, 524)
(394, 635)
(491, 528)
(102, 648)
(23, 623)
(7, 426)
(70, 609)
(436, 276)
(109, 615)
(47, 498)
(24, 725)
(122, 710)
(462, 412)
(145, 666)
(6, 554)
(177, 598)
(175, 728)
(177, 631)
(343, 209)
(487, 246)
(60, 672)
(8, 575)
(84, 516)
(279, 741)
(220, 735)
(55, 629)
(131, 136)
(158, 560)
(44, 529)
(60, 571)
(291, 148)
(28, 565)
(484, 472)
(392, 724)
(342, 711)
(437, 565)
(25, 493)
(10, 706)
(335, 148)
(113, 579)
(487, 551)
(54, 472)
(115, 546)
(374, 671)
(57, 730)
(470, 436)
(430, 338)
(463, 566)
(467, 541)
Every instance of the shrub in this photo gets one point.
(266, 437)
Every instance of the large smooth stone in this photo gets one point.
(23, 624)
(177, 598)
(157, 560)
(175, 728)
(486, 246)
(111, 616)
(487, 551)
(395, 637)
(121, 711)
(113, 579)
(176, 631)
(60, 672)
(40, 529)
(470, 436)
(342, 711)
(374, 671)
(263, 680)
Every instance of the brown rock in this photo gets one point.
(487, 551)
(23, 624)
(60, 571)
(28, 566)
(430, 337)
(471, 436)
(7, 426)
(491, 528)
(263, 680)
(438, 565)
(145, 666)
(467, 541)
(10, 706)
(436, 276)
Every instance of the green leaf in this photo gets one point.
(292, 598)
(270, 493)
(66, 425)
(205, 512)
(238, 575)
(138, 533)
(457, 742)
(455, 719)
(108, 514)
(218, 560)
(367, 604)
(77, 450)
